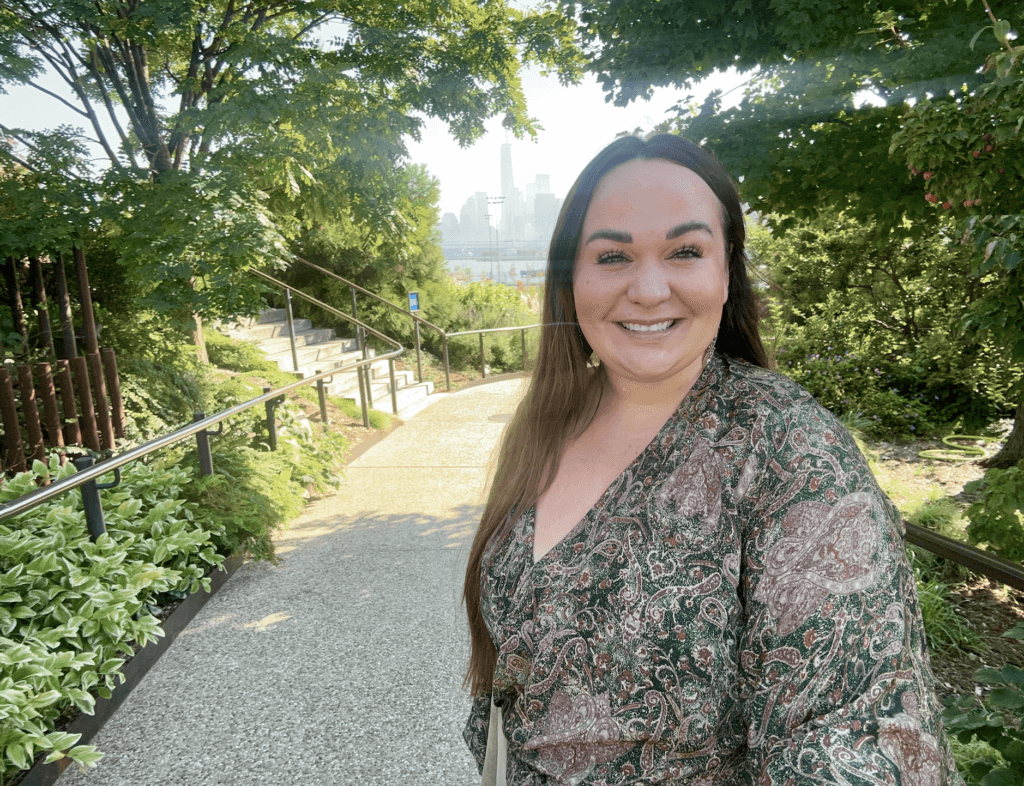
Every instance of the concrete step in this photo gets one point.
(302, 339)
(346, 383)
(261, 332)
(319, 350)
(319, 355)
(382, 395)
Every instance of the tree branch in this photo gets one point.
(50, 93)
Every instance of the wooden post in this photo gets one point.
(67, 327)
(114, 388)
(51, 413)
(34, 429)
(99, 392)
(35, 268)
(92, 343)
(12, 431)
(72, 430)
(14, 300)
(90, 436)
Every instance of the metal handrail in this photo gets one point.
(44, 493)
(994, 567)
(375, 296)
(493, 330)
(417, 320)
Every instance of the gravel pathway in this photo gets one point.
(342, 664)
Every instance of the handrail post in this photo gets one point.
(483, 358)
(91, 497)
(419, 363)
(270, 406)
(360, 337)
(291, 328)
(321, 394)
(362, 395)
(394, 387)
(447, 371)
(523, 334)
(203, 446)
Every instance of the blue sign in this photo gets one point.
(414, 301)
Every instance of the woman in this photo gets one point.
(688, 570)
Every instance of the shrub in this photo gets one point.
(71, 609)
(234, 355)
(159, 398)
(970, 720)
(997, 516)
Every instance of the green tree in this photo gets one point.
(227, 126)
(803, 137)
(968, 157)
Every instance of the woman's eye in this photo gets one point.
(687, 252)
(611, 258)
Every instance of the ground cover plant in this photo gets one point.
(72, 611)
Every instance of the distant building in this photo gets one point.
(450, 231)
(545, 215)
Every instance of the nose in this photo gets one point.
(649, 284)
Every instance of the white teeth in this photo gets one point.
(648, 328)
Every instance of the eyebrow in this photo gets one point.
(618, 236)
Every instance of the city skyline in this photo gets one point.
(518, 216)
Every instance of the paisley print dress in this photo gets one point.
(735, 609)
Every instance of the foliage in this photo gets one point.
(943, 625)
(474, 306)
(968, 154)
(875, 327)
(235, 127)
(159, 398)
(71, 610)
(967, 721)
(225, 352)
(997, 516)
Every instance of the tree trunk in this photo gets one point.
(1013, 450)
(92, 343)
(64, 309)
(199, 340)
(42, 310)
(14, 301)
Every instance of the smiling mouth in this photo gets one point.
(657, 327)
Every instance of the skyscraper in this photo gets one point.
(507, 183)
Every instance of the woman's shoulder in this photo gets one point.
(778, 404)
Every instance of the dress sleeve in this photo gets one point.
(834, 674)
(475, 733)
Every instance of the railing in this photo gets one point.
(89, 472)
(990, 565)
(417, 320)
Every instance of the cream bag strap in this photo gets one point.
(497, 750)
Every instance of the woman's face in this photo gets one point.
(651, 272)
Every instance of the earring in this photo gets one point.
(709, 352)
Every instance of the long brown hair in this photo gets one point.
(564, 394)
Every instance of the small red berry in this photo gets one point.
(931, 198)
(977, 153)
(913, 171)
(947, 205)
(988, 148)
(968, 202)
(927, 175)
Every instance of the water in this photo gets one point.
(512, 270)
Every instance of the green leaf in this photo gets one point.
(1001, 777)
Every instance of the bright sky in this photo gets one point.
(576, 122)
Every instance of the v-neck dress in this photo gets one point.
(736, 609)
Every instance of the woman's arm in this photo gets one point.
(834, 673)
